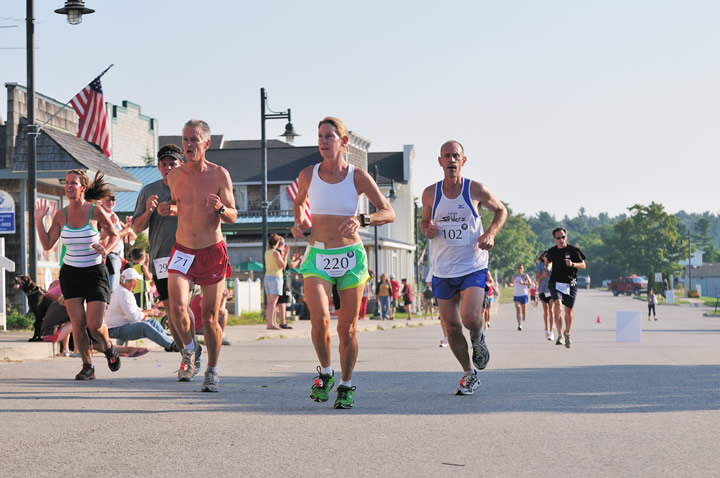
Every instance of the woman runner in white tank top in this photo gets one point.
(83, 275)
(335, 255)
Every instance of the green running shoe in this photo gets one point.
(344, 397)
(324, 382)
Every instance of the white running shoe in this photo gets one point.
(443, 343)
(551, 336)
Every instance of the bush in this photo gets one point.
(18, 321)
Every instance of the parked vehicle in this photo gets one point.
(633, 284)
(581, 282)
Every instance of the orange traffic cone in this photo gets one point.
(598, 320)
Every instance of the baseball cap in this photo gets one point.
(392, 276)
(172, 150)
(130, 274)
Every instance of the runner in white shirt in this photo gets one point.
(459, 256)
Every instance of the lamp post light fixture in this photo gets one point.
(392, 196)
(74, 9)
(289, 134)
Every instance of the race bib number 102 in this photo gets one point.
(455, 235)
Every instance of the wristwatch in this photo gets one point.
(364, 220)
(221, 210)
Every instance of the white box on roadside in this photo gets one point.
(628, 326)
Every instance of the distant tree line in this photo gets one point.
(644, 241)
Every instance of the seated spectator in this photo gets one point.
(196, 308)
(126, 321)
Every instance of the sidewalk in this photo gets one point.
(14, 345)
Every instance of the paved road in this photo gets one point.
(599, 409)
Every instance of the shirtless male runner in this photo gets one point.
(459, 257)
(201, 197)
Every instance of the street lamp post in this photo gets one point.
(74, 10)
(391, 197)
(31, 157)
(289, 135)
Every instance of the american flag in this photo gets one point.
(292, 192)
(89, 104)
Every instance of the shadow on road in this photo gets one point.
(591, 390)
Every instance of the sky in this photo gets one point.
(560, 105)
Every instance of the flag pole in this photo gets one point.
(40, 128)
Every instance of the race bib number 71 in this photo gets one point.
(181, 262)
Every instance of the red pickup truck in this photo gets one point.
(628, 285)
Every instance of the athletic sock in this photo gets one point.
(190, 347)
(327, 370)
(212, 369)
(346, 383)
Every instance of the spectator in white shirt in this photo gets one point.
(126, 321)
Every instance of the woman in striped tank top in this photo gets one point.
(83, 275)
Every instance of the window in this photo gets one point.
(240, 193)
(286, 203)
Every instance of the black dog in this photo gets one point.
(38, 301)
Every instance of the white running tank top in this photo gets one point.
(519, 289)
(339, 199)
(78, 244)
(453, 250)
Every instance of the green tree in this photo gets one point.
(594, 245)
(542, 225)
(515, 243)
(704, 240)
(647, 241)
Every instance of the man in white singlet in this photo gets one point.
(459, 256)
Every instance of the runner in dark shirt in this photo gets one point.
(566, 260)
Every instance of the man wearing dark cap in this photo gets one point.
(162, 228)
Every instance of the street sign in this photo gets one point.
(7, 213)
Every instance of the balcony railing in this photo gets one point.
(271, 213)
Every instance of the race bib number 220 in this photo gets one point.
(336, 265)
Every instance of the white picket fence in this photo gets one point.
(247, 296)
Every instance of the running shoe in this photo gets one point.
(547, 335)
(519, 327)
(560, 340)
(212, 382)
(113, 359)
(568, 342)
(198, 353)
(324, 382)
(87, 372)
(344, 398)
(468, 384)
(225, 341)
(481, 354)
(443, 343)
(187, 366)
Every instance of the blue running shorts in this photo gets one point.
(445, 288)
